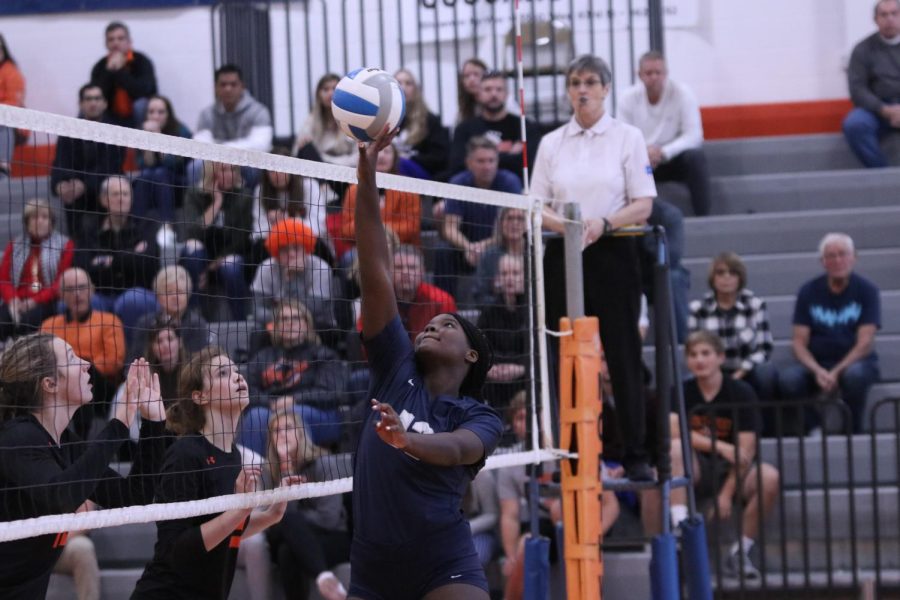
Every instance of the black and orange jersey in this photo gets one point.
(194, 469)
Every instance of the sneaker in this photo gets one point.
(733, 565)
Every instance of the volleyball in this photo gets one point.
(366, 100)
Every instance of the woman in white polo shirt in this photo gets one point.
(602, 164)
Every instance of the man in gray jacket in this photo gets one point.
(236, 119)
(874, 80)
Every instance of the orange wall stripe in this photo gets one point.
(719, 122)
(789, 118)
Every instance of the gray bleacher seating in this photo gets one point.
(796, 231)
(780, 273)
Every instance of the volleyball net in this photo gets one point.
(130, 244)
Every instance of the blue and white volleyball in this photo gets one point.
(366, 100)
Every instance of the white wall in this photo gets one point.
(56, 53)
(768, 50)
(729, 51)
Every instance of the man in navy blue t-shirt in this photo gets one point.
(468, 227)
(835, 319)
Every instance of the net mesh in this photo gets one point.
(181, 244)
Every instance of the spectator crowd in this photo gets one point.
(139, 264)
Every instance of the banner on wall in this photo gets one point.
(446, 20)
(32, 7)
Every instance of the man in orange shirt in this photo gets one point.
(125, 76)
(95, 336)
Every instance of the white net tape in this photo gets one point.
(23, 118)
(182, 510)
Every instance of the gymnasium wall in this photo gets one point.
(768, 53)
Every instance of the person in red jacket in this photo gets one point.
(30, 271)
(417, 301)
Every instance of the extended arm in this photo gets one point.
(459, 447)
(865, 340)
(379, 303)
(800, 345)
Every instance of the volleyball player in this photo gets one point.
(427, 436)
(195, 557)
(45, 469)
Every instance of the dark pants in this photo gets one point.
(689, 168)
(28, 322)
(612, 292)
(670, 217)
(798, 382)
(304, 550)
(450, 265)
(863, 130)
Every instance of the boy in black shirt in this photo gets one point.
(723, 442)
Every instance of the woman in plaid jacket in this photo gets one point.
(741, 320)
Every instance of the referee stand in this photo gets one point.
(580, 414)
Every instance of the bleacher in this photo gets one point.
(774, 199)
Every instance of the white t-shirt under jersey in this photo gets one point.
(602, 168)
(673, 123)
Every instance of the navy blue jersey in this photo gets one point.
(397, 498)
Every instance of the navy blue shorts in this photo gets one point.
(411, 571)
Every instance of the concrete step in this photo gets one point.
(812, 531)
(795, 584)
(882, 413)
(625, 575)
(780, 154)
(115, 584)
(784, 192)
(784, 273)
(888, 347)
(833, 454)
(798, 231)
(125, 546)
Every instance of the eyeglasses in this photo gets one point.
(726, 271)
(92, 99)
(588, 83)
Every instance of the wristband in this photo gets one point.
(607, 226)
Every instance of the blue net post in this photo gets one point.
(664, 568)
(696, 558)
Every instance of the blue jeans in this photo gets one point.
(797, 382)
(154, 192)
(322, 426)
(129, 306)
(230, 274)
(863, 130)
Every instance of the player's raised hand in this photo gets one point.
(389, 427)
(368, 153)
(142, 389)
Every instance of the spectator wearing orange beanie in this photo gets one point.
(292, 271)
